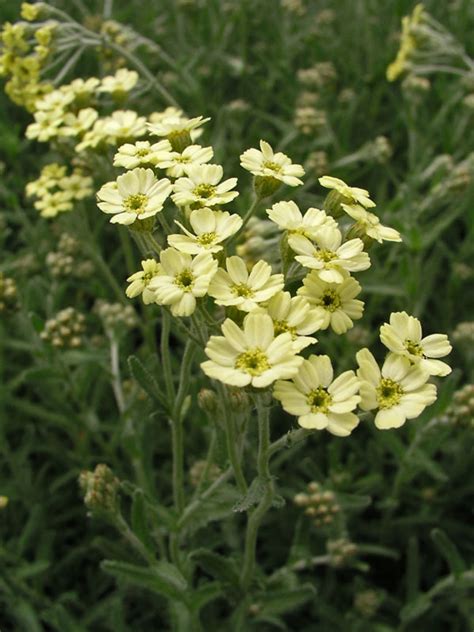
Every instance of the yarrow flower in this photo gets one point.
(203, 187)
(236, 286)
(142, 153)
(403, 336)
(252, 355)
(46, 125)
(342, 193)
(335, 303)
(328, 257)
(211, 228)
(76, 124)
(288, 217)
(123, 124)
(119, 84)
(270, 169)
(139, 281)
(295, 316)
(398, 391)
(182, 279)
(177, 163)
(176, 128)
(369, 224)
(135, 195)
(318, 400)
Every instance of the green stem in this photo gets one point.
(178, 463)
(231, 440)
(165, 356)
(247, 217)
(256, 517)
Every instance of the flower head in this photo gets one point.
(236, 286)
(210, 228)
(76, 124)
(328, 257)
(135, 195)
(288, 217)
(403, 336)
(123, 124)
(176, 128)
(347, 194)
(203, 187)
(252, 355)
(318, 400)
(398, 391)
(368, 223)
(182, 279)
(295, 316)
(122, 82)
(335, 303)
(274, 168)
(139, 281)
(142, 153)
(177, 163)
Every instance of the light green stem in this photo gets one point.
(165, 356)
(255, 518)
(231, 440)
(247, 217)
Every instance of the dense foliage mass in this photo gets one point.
(231, 232)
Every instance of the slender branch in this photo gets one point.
(115, 370)
(165, 356)
(231, 440)
(247, 217)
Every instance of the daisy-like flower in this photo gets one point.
(318, 400)
(139, 281)
(54, 101)
(252, 355)
(177, 163)
(119, 84)
(135, 195)
(177, 129)
(182, 279)
(295, 316)
(211, 228)
(403, 336)
(335, 303)
(288, 217)
(77, 185)
(399, 390)
(94, 137)
(141, 154)
(328, 257)
(51, 204)
(368, 223)
(343, 193)
(77, 124)
(203, 187)
(270, 169)
(82, 89)
(236, 286)
(46, 125)
(124, 124)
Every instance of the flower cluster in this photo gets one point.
(65, 330)
(8, 294)
(318, 504)
(271, 311)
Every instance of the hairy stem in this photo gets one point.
(231, 440)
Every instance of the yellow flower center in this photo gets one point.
(136, 203)
(206, 239)
(414, 348)
(282, 327)
(243, 290)
(141, 153)
(273, 166)
(325, 255)
(330, 300)
(254, 362)
(204, 190)
(185, 280)
(388, 392)
(319, 400)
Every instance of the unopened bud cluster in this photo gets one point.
(198, 469)
(318, 504)
(464, 333)
(378, 150)
(318, 75)
(8, 294)
(461, 410)
(100, 489)
(308, 120)
(340, 551)
(317, 163)
(65, 263)
(65, 330)
(115, 316)
(367, 602)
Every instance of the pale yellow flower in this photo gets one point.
(123, 81)
(77, 124)
(55, 101)
(288, 217)
(46, 125)
(203, 187)
(124, 124)
(236, 286)
(140, 281)
(135, 195)
(398, 391)
(328, 256)
(267, 164)
(177, 163)
(82, 89)
(370, 224)
(318, 400)
(349, 195)
(252, 355)
(403, 336)
(141, 154)
(178, 129)
(182, 279)
(335, 303)
(51, 204)
(210, 228)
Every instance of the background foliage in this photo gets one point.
(406, 496)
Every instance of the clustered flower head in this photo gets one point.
(8, 294)
(268, 313)
(65, 330)
(318, 504)
(100, 489)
